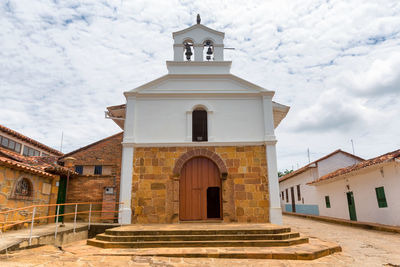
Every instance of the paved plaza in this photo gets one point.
(360, 248)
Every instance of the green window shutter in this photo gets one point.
(327, 202)
(380, 196)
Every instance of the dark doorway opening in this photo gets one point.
(293, 200)
(213, 203)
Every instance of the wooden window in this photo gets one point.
(98, 169)
(79, 169)
(327, 202)
(199, 126)
(283, 195)
(298, 193)
(287, 195)
(380, 196)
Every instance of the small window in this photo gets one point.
(18, 147)
(298, 193)
(28, 151)
(199, 126)
(98, 169)
(11, 144)
(79, 169)
(283, 195)
(380, 196)
(327, 202)
(4, 142)
(23, 189)
(287, 195)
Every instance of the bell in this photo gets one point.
(188, 52)
(209, 53)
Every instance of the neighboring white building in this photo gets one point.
(368, 191)
(297, 196)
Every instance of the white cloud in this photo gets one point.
(335, 63)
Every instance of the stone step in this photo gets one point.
(214, 243)
(115, 238)
(119, 232)
(308, 251)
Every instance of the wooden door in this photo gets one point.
(197, 175)
(293, 200)
(62, 192)
(352, 206)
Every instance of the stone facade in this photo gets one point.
(44, 191)
(155, 182)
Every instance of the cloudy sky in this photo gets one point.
(336, 63)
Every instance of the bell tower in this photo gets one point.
(198, 43)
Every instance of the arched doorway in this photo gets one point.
(200, 190)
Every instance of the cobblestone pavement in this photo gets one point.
(360, 248)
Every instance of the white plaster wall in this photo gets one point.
(307, 192)
(230, 120)
(363, 187)
(334, 162)
(198, 35)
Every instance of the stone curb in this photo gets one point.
(364, 225)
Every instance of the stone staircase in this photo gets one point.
(192, 236)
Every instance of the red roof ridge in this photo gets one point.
(309, 165)
(23, 166)
(366, 163)
(29, 140)
(90, 145)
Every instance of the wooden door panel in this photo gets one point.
(197, 175)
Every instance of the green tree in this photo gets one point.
(280, 174)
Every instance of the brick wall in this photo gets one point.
(155, 188)
(89, 188)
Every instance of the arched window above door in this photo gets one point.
(199, 125)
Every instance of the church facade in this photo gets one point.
(199, 142)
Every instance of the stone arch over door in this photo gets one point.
(201, 152)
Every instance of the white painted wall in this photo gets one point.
(363, 186)
(229, 120)
(334, 162)
(309, 193)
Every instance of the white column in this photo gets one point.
(178, 52)
(125, 188)
(198, 52)
(189, 125)
(219, 52)
(275, 212)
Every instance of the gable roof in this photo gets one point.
(29, 140)
(90, 145)
(246, 86)
(197, 26)
(364, 164)
(313, 164)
